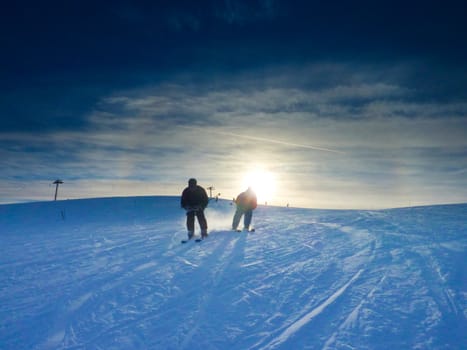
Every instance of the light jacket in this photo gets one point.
(247, 200)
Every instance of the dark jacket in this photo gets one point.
(247, 200)
(195, 197)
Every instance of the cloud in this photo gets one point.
(194, 17)
(344, 144)
(267, 140)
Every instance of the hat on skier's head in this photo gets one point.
(192, 182)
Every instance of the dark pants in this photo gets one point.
(190, 221)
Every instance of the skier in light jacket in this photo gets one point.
(246, 202)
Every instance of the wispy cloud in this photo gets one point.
(265, 140)
(346, 144)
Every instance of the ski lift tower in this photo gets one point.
(211, 188)
(57, 183)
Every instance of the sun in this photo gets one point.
(263, 182)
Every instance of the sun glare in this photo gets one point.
(262, 182)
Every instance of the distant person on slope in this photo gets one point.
(246, 202)
(194, 200)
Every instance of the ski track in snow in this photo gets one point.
(215, 276)
(352, 319)
(297, 325)
(115, 276)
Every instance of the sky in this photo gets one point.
(318, 104)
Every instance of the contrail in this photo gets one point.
(262, 139)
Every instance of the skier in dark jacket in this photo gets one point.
(246, 202)
(194, 200)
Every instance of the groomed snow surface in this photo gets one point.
(112, 274)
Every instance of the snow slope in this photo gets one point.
(112, 274)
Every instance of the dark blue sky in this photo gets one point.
(59, 56)
(62, 62)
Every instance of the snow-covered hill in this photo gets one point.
(112, 274)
